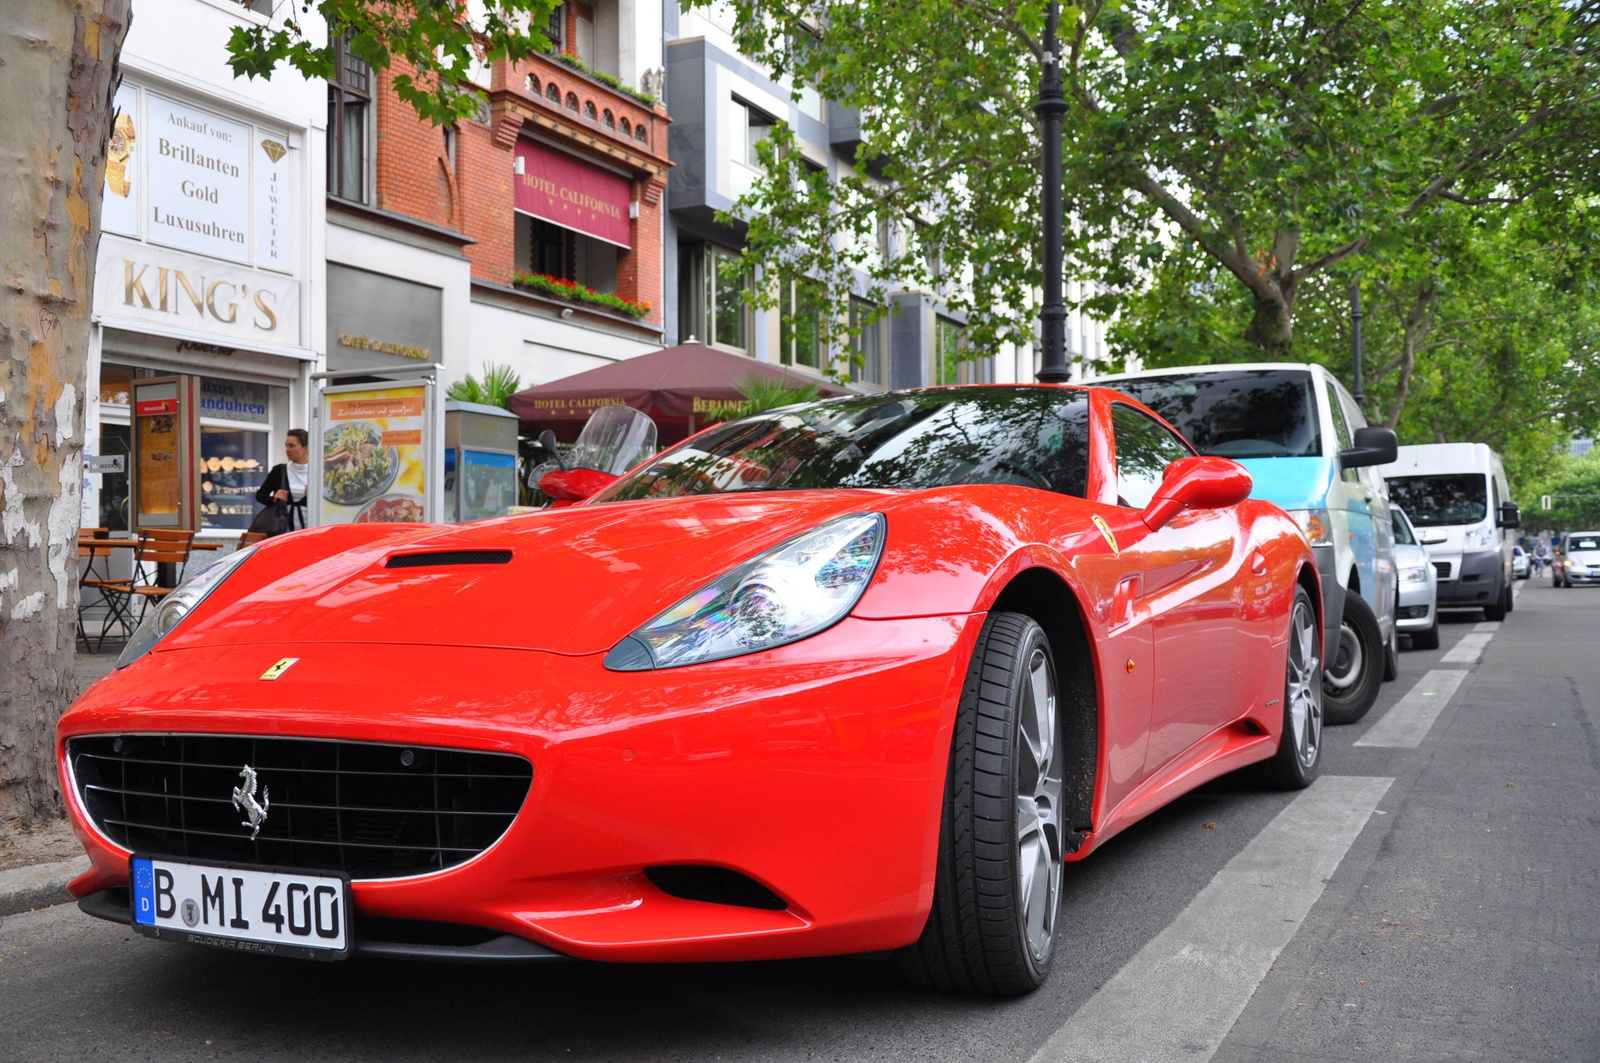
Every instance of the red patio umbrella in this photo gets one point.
(676, 387)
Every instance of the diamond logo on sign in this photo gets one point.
(274, 150)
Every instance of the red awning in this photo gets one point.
(675, 387)
(571, 193)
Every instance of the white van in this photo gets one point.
(1458, 500)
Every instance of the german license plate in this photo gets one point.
(245, 908)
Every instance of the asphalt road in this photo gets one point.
(1449, 909)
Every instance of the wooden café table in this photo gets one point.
(166, 574)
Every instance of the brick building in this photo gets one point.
(528, 235)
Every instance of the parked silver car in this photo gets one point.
(1521, 568)
(1580, 560)
(1417, 609)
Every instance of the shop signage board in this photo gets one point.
(234, 400)
(104, 463)
(140, 284)
(190, 178)
(378, 321)
(566, 191)
(375, 454)
(165, 438)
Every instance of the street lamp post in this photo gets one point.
(1050, 108)
(1355, 341)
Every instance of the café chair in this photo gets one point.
(158, 547)
(250, 538)
(90, 553)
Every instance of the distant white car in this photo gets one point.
(1580, 560)
(1520, 568)
(1417, 608)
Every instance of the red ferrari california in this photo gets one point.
(855, 676)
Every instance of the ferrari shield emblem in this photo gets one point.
(1105, 532)
(284, 664)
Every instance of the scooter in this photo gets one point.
(613, 440)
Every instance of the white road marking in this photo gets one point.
(1406, 724)
(1469, 649)
(1178, 998)
(1490, 626)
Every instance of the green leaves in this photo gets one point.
(499, 383)
(435, 44)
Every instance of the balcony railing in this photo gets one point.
(582, 98)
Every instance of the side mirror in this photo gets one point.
(547, 440)
(574, 485)
(1510, 515)
(1196, 483)
(1373, 446)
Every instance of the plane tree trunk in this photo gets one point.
(59, 60)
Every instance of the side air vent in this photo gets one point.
(450, 557)
(714, 885)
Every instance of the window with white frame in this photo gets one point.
(801, 331)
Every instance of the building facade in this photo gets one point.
(209, 269)
(528, 235)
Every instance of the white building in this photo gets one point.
(210, 267)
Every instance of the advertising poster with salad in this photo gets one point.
(374, 469)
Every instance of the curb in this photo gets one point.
(38, 886)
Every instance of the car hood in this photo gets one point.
(1406, 555)
(578, 580)
(1585, 557)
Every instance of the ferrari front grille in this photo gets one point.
(371, 810)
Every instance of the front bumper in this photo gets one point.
(1416, 607)
(1589, 574)
(816, 769)
(1332, 590)
(1476, 579)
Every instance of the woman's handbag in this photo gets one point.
(273, 520)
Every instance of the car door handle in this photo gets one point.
(1258, 563)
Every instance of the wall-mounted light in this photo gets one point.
(566, 312)
(633, 209)
(519, 165)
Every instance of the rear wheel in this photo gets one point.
(1354, 670)
(1299, 757)
(998, 882)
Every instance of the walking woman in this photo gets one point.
(288, 482)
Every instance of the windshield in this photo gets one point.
(1433, 501)
(1246, 413)
(1026, 436)
(1587, 541)
(1402, 529)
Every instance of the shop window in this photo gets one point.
(349, 116)
(711, 287)
(116, 384)
(867, 348)
(233, 464)
(801, 335)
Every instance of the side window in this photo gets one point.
(1144, 450)
(1341, 429)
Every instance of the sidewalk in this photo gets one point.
(36, 865)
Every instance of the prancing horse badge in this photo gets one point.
(1105, 530)
(284, 664)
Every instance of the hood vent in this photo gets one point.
(449, 557)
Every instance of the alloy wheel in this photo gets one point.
(1305, 684)
(1039, 803)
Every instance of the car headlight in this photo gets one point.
(1479, 539)
(1414, 574)
(798, 588)
(160, 621)
(1317, 525)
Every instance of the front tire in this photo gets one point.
(1428, 639)
(1298, 760)
(1499, 609)
(997, 886)
(1351, 677)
